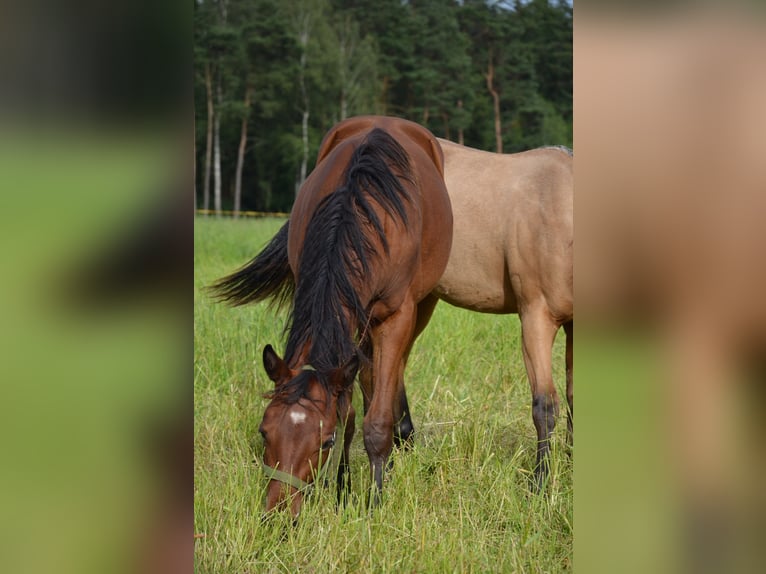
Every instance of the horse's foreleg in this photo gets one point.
(538, 331)
(390, 340)
(404, 429)
(569, 330)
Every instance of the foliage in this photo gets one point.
(458, 502)
(424, 60)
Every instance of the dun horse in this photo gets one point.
(368, 239)
(512, 253)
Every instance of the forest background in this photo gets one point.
(272, 77)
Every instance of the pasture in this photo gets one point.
(460, 501)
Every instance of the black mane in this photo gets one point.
(295, 389)
(338, 252)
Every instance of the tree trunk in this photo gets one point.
(209, 148)
(304, 40)
(445, 117)
(217, 184)
(305, 137)
(344, 56)
(241, 155)
(495, 104)
(217, 152)
(460, 127)
(384, 97)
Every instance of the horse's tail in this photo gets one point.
(267, 276)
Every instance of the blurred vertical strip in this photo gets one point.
(96, 216)
(670, 282)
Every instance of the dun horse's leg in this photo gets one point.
(569, 330)
(390, 340)
(538, 332)
(404, 429)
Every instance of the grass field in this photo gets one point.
(458, 502)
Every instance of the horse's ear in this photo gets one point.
(276, 368)
(427, 142)
(437, 155)
(328, 142)
(342, 131)
(343, 377)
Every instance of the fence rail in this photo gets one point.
(229, 213)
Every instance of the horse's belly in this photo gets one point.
(476, 275)
(470, 287)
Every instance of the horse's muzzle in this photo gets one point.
(280, 497)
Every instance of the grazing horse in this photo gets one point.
(369, 237)
(512, 253)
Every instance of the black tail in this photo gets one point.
(267, 276)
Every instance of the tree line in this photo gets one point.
(272, 76)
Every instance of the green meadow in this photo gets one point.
(459, 501)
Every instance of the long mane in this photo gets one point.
(338, 252)
(565, 149)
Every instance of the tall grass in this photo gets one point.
(460, 501)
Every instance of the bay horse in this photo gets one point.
(368, 238)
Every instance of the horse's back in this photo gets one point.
(513, 229)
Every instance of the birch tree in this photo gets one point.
(357, 68)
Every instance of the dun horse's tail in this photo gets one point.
(267, 276)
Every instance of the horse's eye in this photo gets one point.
(329, 443)
(263, 433)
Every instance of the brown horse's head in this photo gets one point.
(300, 427)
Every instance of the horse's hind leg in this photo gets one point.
(538, 331)
(569, 330)
(403, 429)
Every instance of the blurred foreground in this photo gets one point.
(95, 250)
(670, 282)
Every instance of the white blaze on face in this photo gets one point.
(297, 416)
